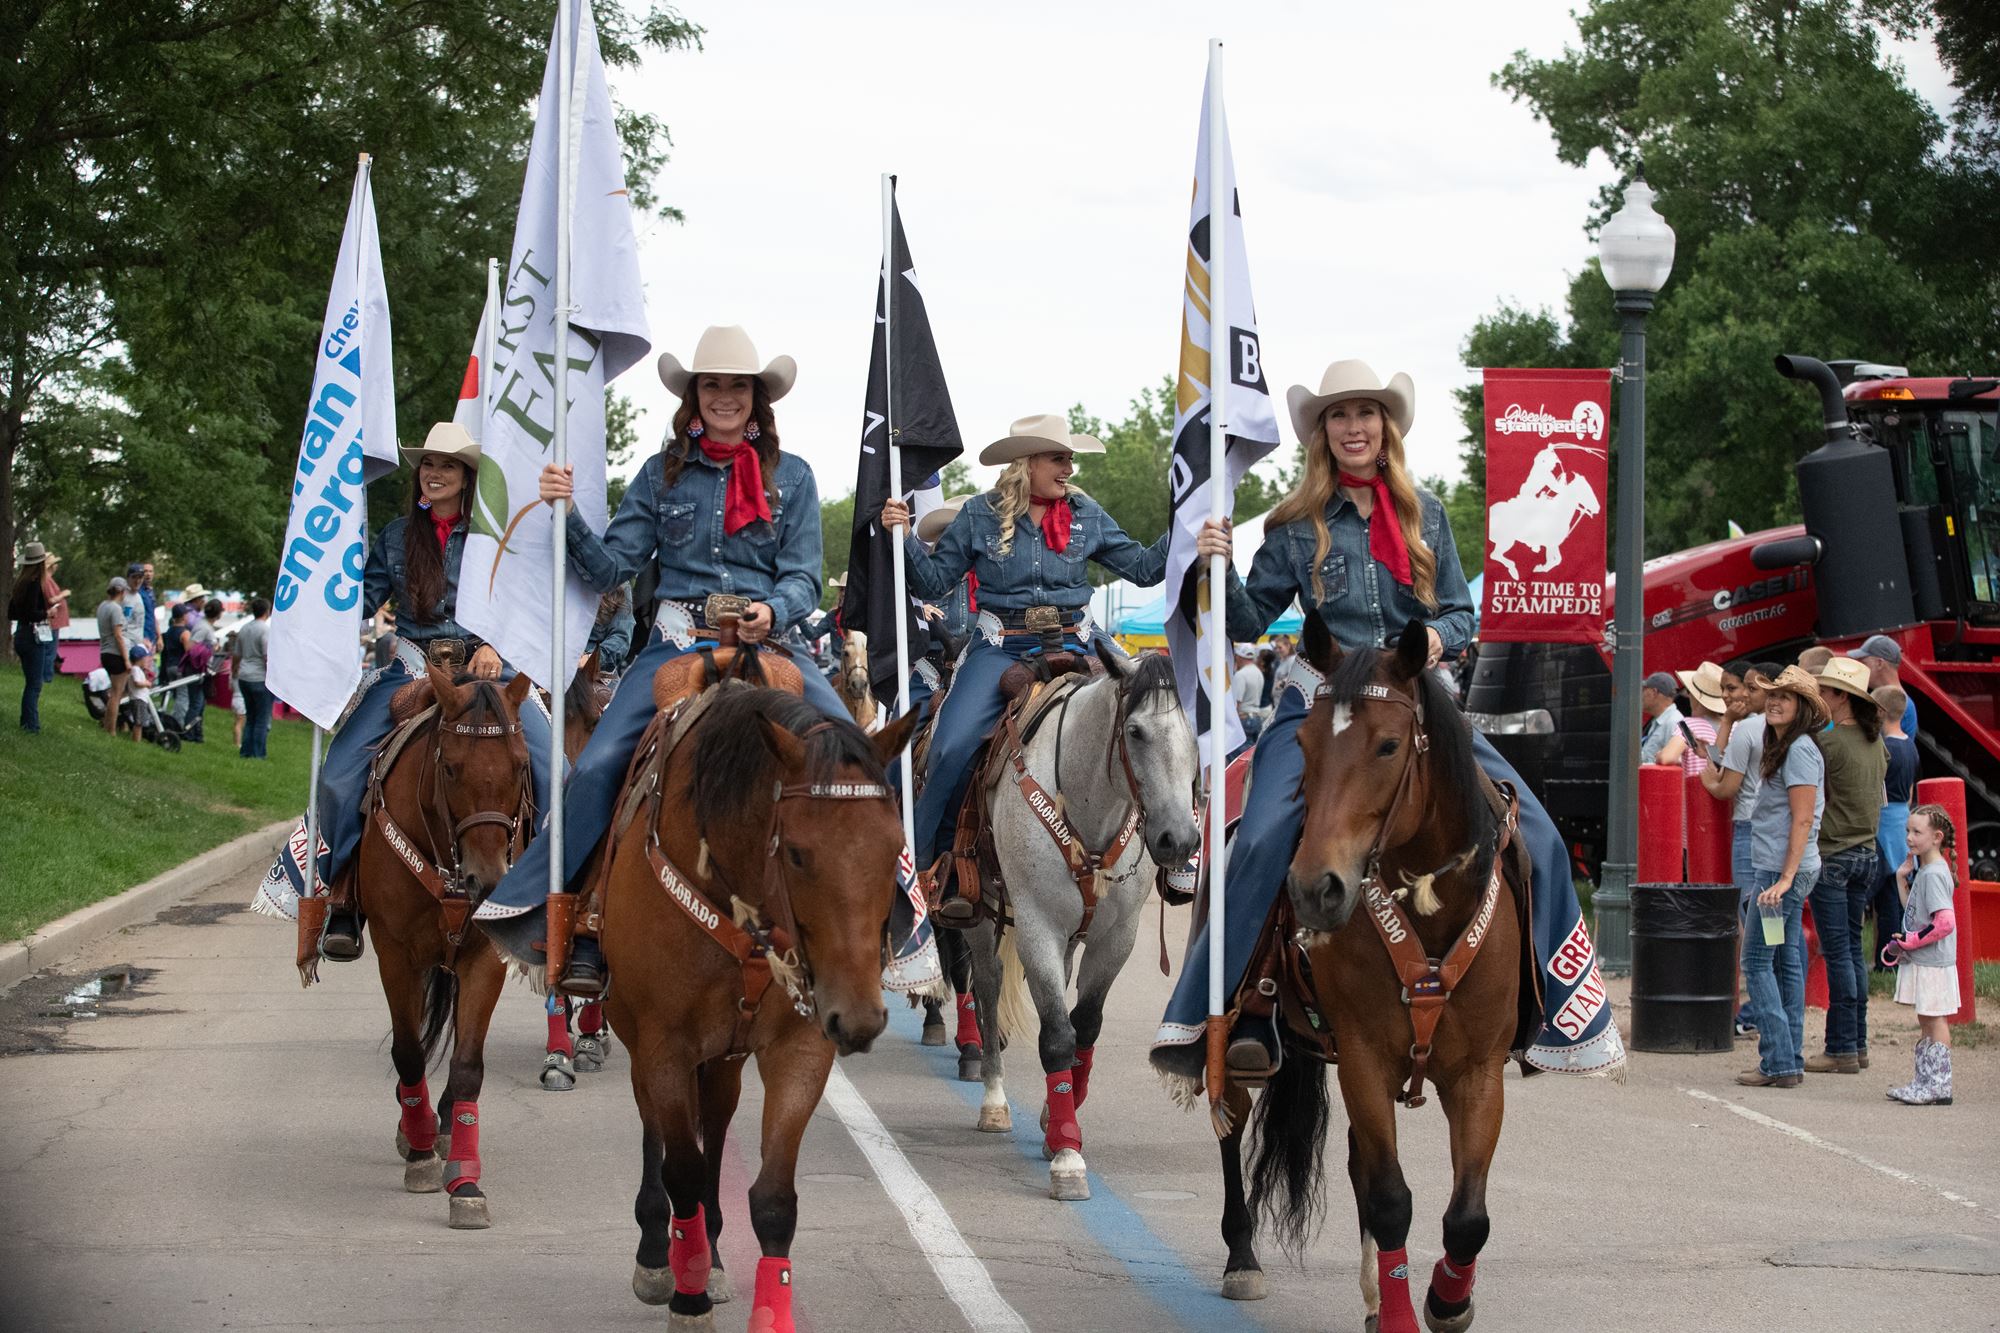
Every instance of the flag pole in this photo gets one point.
(312, 814)
(1221, 205)
(896, 493)
(489, 334)
(559, 446)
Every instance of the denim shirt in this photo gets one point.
(383, 581)
(1364, 604)
(1031, 574)
(777, 563)
(611, 639)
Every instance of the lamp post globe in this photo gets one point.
(1635, 250)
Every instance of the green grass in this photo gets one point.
(84, 816)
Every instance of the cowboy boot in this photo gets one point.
(1940, 1084)
(340, 942)
(940, 884)
(1911, 1093)
(585, 977)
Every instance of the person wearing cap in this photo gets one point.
(730, 524)
(1857, 766)
(1246, 688)
(173, 651)
(948, 621)
(1663, 718)
(202, 644)
(414, 563)
(114, 648)
(34, 641)
(1883, 657)
(1361, 545)
(1029, 542)
(1706, 705)
(1785, 862)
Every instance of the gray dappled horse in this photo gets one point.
(1119, 748)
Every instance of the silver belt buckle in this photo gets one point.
(1042, 619)
(721, 605)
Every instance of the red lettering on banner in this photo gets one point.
(1547, 474)
(1573, 956)
(1574, 1018)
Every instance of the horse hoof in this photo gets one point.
(691, 1323)
(1067, 1178)
(558, 1078)
(934, 1034)
(971, 1065)
(995, 1120)
(424, 1176)
(1457, 1323)
(1372, 1324)
(1245, 1284)
(653, 1286)
(590, 1054)
(468, 1213)
(720, 1289)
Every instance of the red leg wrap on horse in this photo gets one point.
(590, 1018)
(463, 1168)
(771, 1307)
(1079, 1073)
(1063, 1131)
(1452, 1280)
(559, 1041)
(1398, 1315)
(420, 1126)
(968, 1022)
(687, 1253)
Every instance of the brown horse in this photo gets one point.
(450, 807)
(1422, 983)
(745, 909)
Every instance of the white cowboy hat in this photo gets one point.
(447, 439)
(725, 349)
(1045, 434)
(932, 525)
(1705, 684)
(1846, 675)
(1352, 379)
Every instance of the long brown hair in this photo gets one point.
(423, 554)
(678, 448)
(1807, 718)
(1316, 489)
(30, 576)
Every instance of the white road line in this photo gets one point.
(964, 1276)
(1806, 1136)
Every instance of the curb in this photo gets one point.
(67, 936)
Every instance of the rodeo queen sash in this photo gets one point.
(1546, 472)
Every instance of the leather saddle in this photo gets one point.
(692, 672)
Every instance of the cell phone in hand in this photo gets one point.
(1688, 735)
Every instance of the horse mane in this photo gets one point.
(1450, 736)
(1151, 683)
(733, 773)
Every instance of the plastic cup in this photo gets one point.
(1773, 916)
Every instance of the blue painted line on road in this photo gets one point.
(1186, 1295)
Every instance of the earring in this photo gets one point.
(751, 432)
(424, 505)
(1382, 461)
(694, 429)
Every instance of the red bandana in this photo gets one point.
(1056, 517)
(443, 526)
(744, 502)
(972, 592)
(1385, 533)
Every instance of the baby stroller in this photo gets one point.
(138, 709)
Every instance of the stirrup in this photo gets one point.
(341, 941)
(1249, 1061)
(955, 913)
(584, 978)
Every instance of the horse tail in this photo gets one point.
(1017, 1009)
(1288, 1169)
(440, 1007)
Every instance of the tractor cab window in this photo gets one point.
(1952, 464)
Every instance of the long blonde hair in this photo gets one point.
(1015, 496)
(1315, 491)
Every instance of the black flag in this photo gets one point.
(928, 433)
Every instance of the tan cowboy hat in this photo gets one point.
(838, 581)
(1045, 434)
(1705, 684)
(1352, 379)
(193, 591)
(725, 349)
(1796, 681)
(447, 439)
(1846, 675)
(932, 525)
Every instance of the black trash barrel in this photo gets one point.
(1684, 951)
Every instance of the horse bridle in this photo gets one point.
(438, 808)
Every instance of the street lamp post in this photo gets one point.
(1636, 252)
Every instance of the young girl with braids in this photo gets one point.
(1925, 954)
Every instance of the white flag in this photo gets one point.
(471, 410)
(349, 440)
(503, 588)
(1253, 425)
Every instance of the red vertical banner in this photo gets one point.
(1547, 505)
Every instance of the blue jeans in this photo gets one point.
(1776, 979)
(256, 719)
(35, 657)
(1839, 899)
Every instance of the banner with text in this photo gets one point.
(1547, 466)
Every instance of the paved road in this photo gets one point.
(212, 1151)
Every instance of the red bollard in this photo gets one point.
(1816, 991)
(1709, 828)
(1950, 793)
(1662, 824)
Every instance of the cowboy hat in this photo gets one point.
(193, 591)
(932, 525)
(1352, 379)
(1045, 434)
(33, 554)
(1795, 681)
(447, 439)
(1704, 683)
(838, 581)
(1846, 675)
(725, 349)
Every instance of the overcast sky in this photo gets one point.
(1391, 195)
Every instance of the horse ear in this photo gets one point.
(891, 739)
(1115, 665)
(442, 689)
(516, 690)
(1317, 645)
(790, 750)
(1413, 651)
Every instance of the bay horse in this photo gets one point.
(746, 906)
(1422, 982)
(450, 805)
(1112, 768)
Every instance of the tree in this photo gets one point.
(1819, 205)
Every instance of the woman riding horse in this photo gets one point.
(1361, 544)
(1028, 541)
(414, 563)
(733, 525)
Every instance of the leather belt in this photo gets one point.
(1036, 619)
